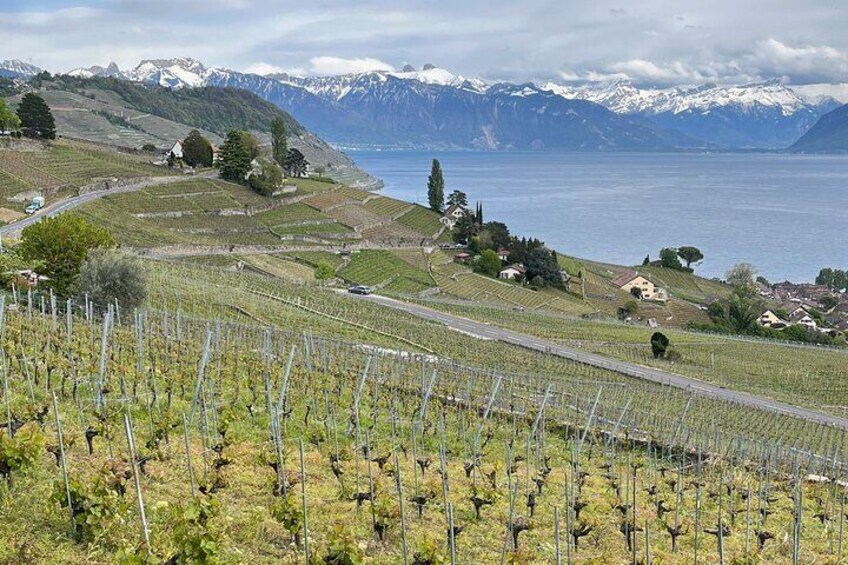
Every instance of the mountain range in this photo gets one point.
(433, 108)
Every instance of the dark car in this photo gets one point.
(359, 289)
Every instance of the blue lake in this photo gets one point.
(786, 214)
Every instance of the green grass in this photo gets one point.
(386, 206)
(290, 214)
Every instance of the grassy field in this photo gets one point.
(421, 220)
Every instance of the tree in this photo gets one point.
(478, 215)
(464, 229)
(458, 198)
(9, 120)
(636, 292)
(296, 164)
(265, 177)
(36, 118)
(149, 147)
(62, 243)
(659, 345)
(279, 146)
(669, 259)
(829, 301)
(646, 261)
(494, 235)
(197, 151)
(825, 277)
(840, 280)
(324, 271)
(743, 309)
(690, 255)
(236, 155)
(436, 187)
(488, 263)
(108, 276)
(742, 274)
(542, 263)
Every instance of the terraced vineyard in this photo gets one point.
(382, 268)
(421, 220)
(65, 165)
(390, 207)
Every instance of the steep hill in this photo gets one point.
(127, 114)
(828, 135)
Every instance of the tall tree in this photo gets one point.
(62, 244)
(279, 146)
(742, 274)
(542, 263)
(436, 187)
(237, 152)
(458, 198)
(690, 255)
(36, 118)
(669, 260)
(9, 120)
(296, 163)
(197, 151)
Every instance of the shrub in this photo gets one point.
(265, 178)
(659, 345)
(108, 276)
(324, 271)
(488, 263)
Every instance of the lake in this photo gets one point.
(786, 214)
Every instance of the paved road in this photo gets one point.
(487, 331)
(14, 229)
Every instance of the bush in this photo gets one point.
(324, 271)
(266, 179)
(149, 147)
(197, 151)
(108, 276)
(488, 263)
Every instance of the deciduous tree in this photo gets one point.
(108, 276)
(197, 150)
(458, 198)
(296, 163)
(669, 259)
(742, 274)
(9, 120)
(62, 244)
(488, 263)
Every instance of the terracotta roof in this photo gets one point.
(624, 278)
(451, 209)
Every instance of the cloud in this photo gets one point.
(803, 63)
(327, 65)
(263, 69)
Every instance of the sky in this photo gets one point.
(650, 42)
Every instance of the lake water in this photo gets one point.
(786, 214)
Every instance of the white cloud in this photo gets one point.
(804, 63)
(326, 65)
(263, 69)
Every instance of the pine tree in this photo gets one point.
(36, 118)
(296, 164)
(436, 187)
(236, 155)
(279, 148)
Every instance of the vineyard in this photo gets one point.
(66, 165)
(165, 436)
(385, 269)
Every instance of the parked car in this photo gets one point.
(359, 289)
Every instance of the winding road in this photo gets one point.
(14, 229)
(488, 331)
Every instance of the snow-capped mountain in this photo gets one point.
(110, 71)
(766, 115)
(432, 107)
(14, 68)
(180, 72)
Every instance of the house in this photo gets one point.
(512, 272)
(503, 254)
(177, 150)
(462, 257)
(216, 154)
(771, 320)
(452, 215)
(629, 280)
(801, 317)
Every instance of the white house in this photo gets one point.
(503, 254)
(629, 280)
(801, 317)
(512, 272)
(177, 150)
(452, 215)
